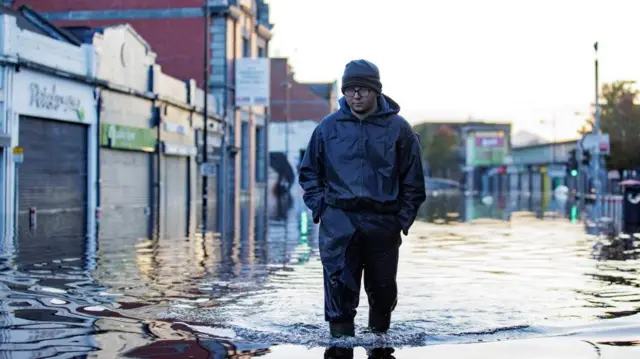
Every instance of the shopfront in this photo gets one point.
(55, 180)
(178, 155)
(126, 155)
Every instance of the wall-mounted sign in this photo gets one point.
(128, 138)
(41, 96)
(175, 128)
(487, 148)
(18, 154)
(208, 169)
(46, 96)
(175, 149)
(253, 81)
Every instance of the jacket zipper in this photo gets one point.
(361, 159)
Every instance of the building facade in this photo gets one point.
(128, 139)
(96, 142)
(296, 110)
(482, 147)
(150, 141)
(237, 29)
(49, 152)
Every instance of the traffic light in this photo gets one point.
(586, 158)
(572, 163)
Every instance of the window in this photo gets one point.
(246, 47)
(260, 153)
(244, 176)
(261, 52)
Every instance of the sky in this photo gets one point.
(530, 63)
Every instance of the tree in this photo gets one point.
(423, 133)
(442, 152)
(620, 118)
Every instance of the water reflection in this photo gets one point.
(347, 353)
(502, 276)
(447, 207)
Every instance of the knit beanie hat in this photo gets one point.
(361, 73)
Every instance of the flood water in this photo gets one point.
(513, 275)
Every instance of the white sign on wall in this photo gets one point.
(253, 81)
(41, 95)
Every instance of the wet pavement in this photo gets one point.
(478, 278)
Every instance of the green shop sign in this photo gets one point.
(128, 138)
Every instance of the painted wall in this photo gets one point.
(124, 58)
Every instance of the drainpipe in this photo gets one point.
(267, 120)
(98, 173)
(222, 170)
(155, 161)
(222, 183)
(158, 174)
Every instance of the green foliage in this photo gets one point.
(441, 152)
(423, 132)
(620, 118)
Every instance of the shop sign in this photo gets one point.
(41, 95)
(178, 150)
(128, 138)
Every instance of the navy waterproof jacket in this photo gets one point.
(364, 165)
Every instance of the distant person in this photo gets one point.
(363, 180)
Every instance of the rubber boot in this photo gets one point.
(338, 353)
(379, 323)
(342, 329)
(380, 353)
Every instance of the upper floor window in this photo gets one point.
(246, 47)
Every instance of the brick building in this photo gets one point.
(307, 104)
(175, 29)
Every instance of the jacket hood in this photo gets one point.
(386, 106)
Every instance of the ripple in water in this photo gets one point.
(457, 283)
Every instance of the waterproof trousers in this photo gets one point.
(352, 243)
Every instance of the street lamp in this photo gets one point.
(596, 158)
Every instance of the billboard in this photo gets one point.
(252, 81)
(487, 148)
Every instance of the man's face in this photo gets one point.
(360, 99)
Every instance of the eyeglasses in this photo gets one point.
(350, 92)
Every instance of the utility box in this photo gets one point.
(631, 207)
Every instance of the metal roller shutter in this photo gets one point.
(197, 200)
(52, 181)
(124, 194)
(211, 204)
(174, 196)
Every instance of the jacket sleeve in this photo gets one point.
(311, 175)
(412, 184)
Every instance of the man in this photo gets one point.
(363, 180)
